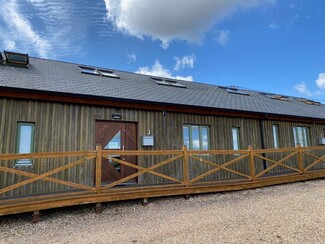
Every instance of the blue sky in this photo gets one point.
(268, 45)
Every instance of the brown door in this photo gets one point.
(117, 136)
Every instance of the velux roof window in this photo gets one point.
(108, 73)
(234, 90)
(275, 96)
(16, 59)
(279, 97)
(100, 72)
(167, 82)
(310, 102)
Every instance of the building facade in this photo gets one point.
(51, 106)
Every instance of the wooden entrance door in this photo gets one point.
(117, 136)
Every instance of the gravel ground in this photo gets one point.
(293, 213)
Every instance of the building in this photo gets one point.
(52, 106)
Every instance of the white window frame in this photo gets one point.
(25, 142)
(204, 143)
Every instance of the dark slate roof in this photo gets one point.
(54, 76)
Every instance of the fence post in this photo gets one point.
(98, 168)
(251, 162)
(185, 167)
(300, 163)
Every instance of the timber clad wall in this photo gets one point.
(69, 127)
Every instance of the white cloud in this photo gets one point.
(21, 29)
(223, 37)
(303, 89)
(60, 20)
(293, 21)
(49, 28)
(131, 57)
(184, 62)
(9, 45)
(158, 70)
(273, 26)
(169, 20)
(320, 82)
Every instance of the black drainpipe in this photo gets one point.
(263, 139)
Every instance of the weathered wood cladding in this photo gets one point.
(71, 127)
(286, 138)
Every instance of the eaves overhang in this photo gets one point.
(61, 97)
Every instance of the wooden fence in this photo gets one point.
(296, 163)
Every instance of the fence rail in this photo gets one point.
(298, 163)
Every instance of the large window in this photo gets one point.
(25, 141)
(275, 129)
(301, 135)
(196, 137)
(235, 138)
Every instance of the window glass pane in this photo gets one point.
(108, 73)
(301, 136)
(308, 144)
(235, 138)
(204, 138)
(304, 137)
(305, 131)
(88, 70)
(25, 140)
(295, 135)
(276, 136)
(186, 136)
(115, 143)
(25, 143)
(195, 138)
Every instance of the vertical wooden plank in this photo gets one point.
(99, 168)
(185, 167)
(300, 163)
(251, 162)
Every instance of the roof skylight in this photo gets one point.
(278, 97)
(101, 72)
(310, 102)
(87, 70)
(16, 59)
(167, 82)
(108, 73)
(235, 90)
(157, 79)
(1, 59)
